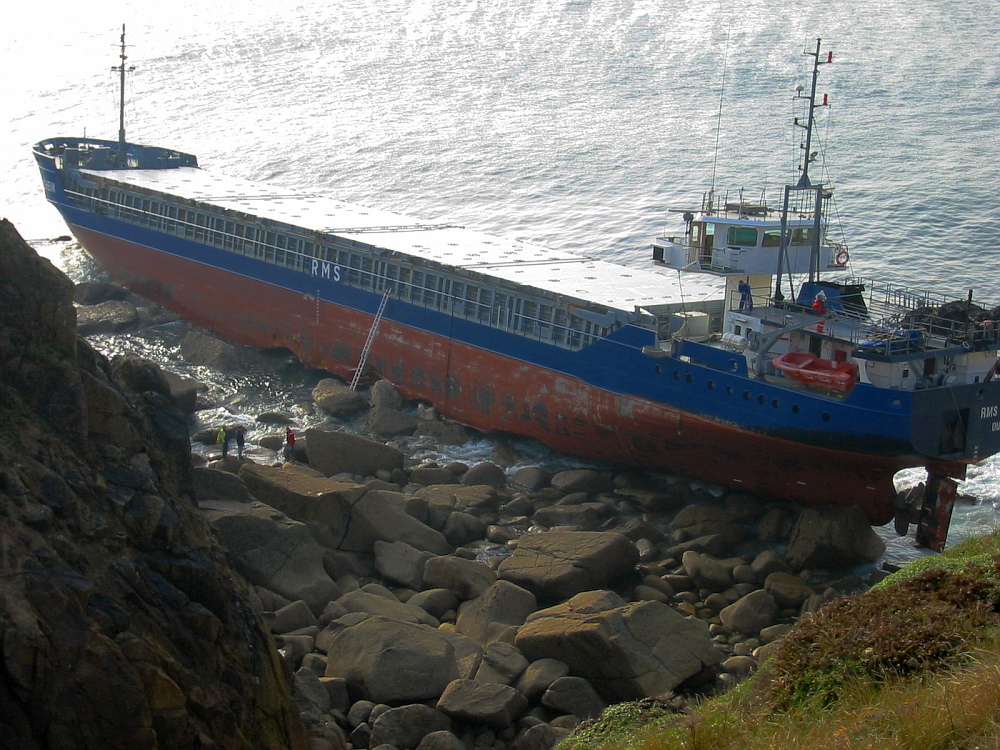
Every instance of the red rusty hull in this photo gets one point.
(489, 391)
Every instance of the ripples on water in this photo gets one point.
(574, 124)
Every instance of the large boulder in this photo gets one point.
(401, 563)
(539, 676)
(113, 316)
(332, 452)
(581, 480)
(405, 727)
(626, 651)
(95, 292)
(386, 422)
(139, 375)
(384, 393)
(337, 399)
(751, 613)
(467, 578)
(833, 537)
(496, 613)
(574, 695)
(212, 484)
(486, 473)
(273, 551)
(558, 564)
(707, 572)
(390, 609)
(184, 391)
(789, 591)
(322, 504)
(388, 661)
(381, 514)
(488, 703)
(501, 663)
(206, 350)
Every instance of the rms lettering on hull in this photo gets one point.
(989, 412)
(325, 270)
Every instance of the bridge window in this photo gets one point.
(742, 236)
(802, 236)
(772, 238)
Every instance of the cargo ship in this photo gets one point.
(744, 354)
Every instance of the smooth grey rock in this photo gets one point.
(488, 703)
(500, 609)
(212, 484)
(337, 399)
(531, 478)
(788, 590)
(332, 452)
(392, 609)
(626, 651)
(574, 695)
(436, 602)
(752, 613)
(401, 563)
(467, 578)
(113, 316)
(384, 393)
(501, 663)
(707, 572)
(389, 661)
(539, 675)
(832, 538)
(485, 473)
(558, 564)
(273, 551)
(406, 726)
(461, 528)
(293, 616)
(442, 740)
(580, 480)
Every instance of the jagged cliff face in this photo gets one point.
(121, 624)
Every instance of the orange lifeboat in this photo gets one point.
(812, 370)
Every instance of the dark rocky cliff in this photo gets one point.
(121, 624)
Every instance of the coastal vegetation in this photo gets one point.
(912, 664)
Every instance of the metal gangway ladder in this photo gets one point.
(366, 350)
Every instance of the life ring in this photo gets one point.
(842, 258)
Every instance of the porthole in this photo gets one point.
(826, 416)
(761, 399)
(775, 403)
(711, 385)
(688, 378)
(729, 390)
(746, 395)
(795, 408)
(677, 375)
(658, 370)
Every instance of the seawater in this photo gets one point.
(582, 125)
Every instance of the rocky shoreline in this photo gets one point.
(428, 606)
(407, 604)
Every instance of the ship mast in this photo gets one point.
(804, 183)
(122, 70)
(807, 156)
